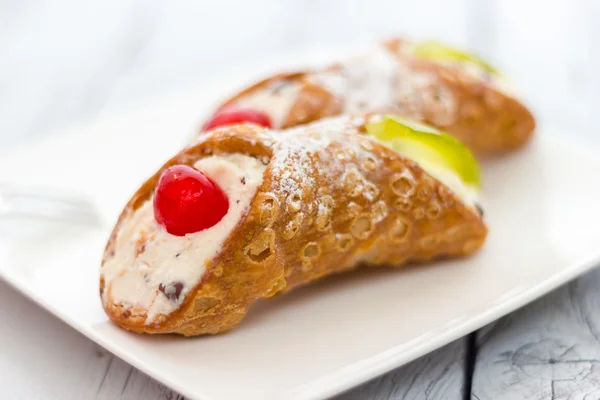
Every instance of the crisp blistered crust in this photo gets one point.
(476, 111)
(485, 119)
(332, 199)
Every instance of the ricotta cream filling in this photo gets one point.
(469, 195)
(276, 100)
(153, 271)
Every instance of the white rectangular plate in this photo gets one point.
(540, 204)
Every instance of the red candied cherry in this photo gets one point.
(186, 201)
(230, 116)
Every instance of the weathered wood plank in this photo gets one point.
(42, 358)
(437, 375)
(127, 383)
(548, 350)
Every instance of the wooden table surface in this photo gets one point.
(66, 61)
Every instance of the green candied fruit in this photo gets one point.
(432, 50)
(423, 143)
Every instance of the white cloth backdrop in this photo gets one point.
(67, 60)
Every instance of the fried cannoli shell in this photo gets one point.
(332, 199)
(477, 111)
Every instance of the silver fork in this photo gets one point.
(20, 201)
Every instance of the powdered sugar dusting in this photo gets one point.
(420, 95)
(364, 82)
(276, 99)
(381, 79)
(293, 162)
(298, 146)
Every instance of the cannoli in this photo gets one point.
(441, 86)
(247, 213)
